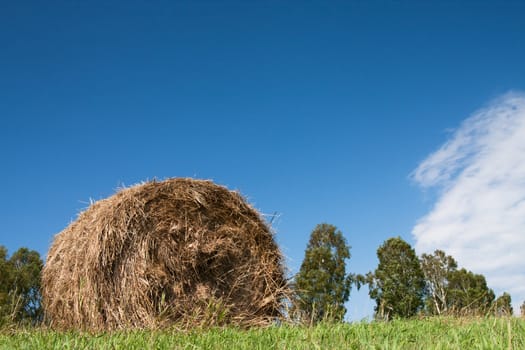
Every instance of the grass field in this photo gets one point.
(433, 333)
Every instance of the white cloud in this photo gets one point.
(479, 215)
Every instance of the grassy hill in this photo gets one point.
(432, 333)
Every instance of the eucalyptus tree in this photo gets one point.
(322, 284)
(398, 284)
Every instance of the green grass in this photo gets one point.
(433, 333)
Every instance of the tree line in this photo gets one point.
(403, 285)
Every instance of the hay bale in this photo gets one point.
(179, 251)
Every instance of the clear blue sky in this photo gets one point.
(317, 110)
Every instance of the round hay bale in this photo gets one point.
(181, 251)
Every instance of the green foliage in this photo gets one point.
(398, 284)
(5, 283)
(503, 305)
(431, 333)
(469, 294)
(457, 292)
(322, 285)
(437, 268)
(20, 286)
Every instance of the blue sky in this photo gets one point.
(319, 111)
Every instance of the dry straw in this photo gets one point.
(179, 252)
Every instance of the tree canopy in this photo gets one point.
(322, 285)
(503, 305)
(469, 293)
(438, 269)
(398, 284)
(20, 285)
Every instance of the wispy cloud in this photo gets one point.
(479, 215)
